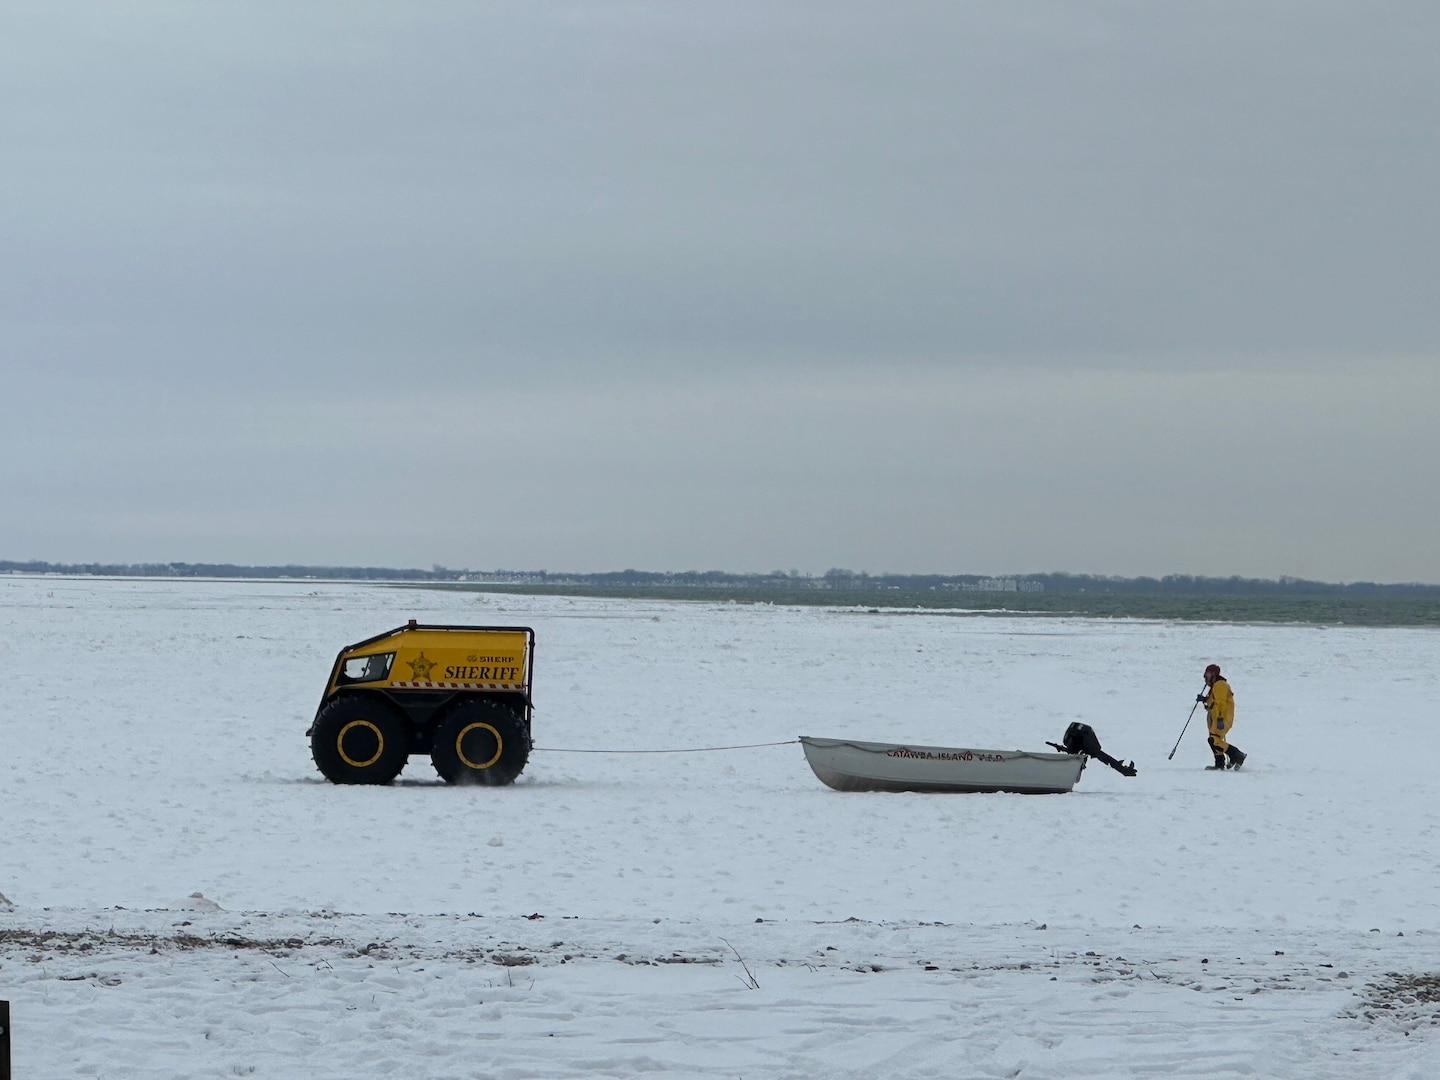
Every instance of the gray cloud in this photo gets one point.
(744, 285)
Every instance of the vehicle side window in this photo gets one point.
(366, 668)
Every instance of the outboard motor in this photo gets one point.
(1081, 739)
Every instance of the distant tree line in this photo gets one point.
(839, 580)
(221, 570)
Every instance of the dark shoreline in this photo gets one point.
(1172, 598)
(1407, 611)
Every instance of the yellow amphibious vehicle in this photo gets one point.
(458, 693)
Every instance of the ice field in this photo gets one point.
(184, 896)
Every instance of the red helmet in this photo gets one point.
(1212, 672)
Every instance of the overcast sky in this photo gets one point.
(1119, 288)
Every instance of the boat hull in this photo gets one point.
(852, 765)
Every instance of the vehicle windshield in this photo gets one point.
(366, 668)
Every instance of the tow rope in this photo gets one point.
(686, 750)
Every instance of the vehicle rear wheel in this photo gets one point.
(359, 740)
(480, 742)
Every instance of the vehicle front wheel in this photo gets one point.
(480, 742)
(359, 740)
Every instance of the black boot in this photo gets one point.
(1219, 763)
(1236, 758)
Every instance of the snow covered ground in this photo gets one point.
(185, 897)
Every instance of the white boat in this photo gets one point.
(851, 765)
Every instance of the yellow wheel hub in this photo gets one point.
(379, 744)
(460, 747)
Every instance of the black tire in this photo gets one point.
(360, 739)
(480, 742)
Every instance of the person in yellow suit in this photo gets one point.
(1219, 702)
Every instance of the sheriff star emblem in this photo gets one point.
(420, 668)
